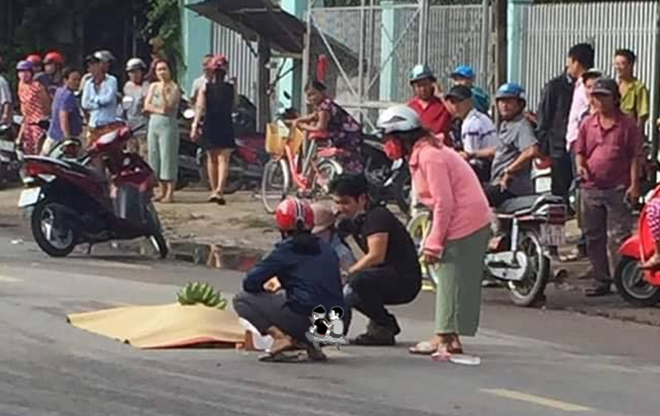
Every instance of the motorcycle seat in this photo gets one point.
(526, 204)
(85, 170)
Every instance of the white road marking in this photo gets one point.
(9, 279)
(541, 401)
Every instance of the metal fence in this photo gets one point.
(383, 40)
(549, 30)
(242, 55)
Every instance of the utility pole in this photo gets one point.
(501, 42)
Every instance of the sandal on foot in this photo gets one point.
(423, 348)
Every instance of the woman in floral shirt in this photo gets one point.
(330, 121)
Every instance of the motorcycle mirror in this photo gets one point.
(189, 114)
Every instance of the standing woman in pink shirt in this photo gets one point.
(459, 236)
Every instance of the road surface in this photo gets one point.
(534, 362)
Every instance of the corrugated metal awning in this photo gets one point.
(254, 19)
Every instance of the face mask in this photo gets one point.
(393, 149)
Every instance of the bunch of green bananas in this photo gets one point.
(196, 292)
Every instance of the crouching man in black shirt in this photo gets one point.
(388, 273)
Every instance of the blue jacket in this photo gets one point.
(308, 279)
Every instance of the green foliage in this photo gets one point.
(164, 23)
(196, 292)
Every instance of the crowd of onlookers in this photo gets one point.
(91, 103)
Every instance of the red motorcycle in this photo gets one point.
(72, 201)
(636, 286)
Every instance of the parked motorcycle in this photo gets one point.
(519, 253)
(9, 153)
(636, 286)
(73, 203)
(390, 181)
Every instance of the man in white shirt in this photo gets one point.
(200, 82)
(580, 59)
(478, 133)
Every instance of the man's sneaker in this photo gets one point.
(378, 335)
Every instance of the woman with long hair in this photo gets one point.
(215, 101)
(35, 107)
(460, 231)
(162, 104)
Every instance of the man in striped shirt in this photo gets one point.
(478, 133)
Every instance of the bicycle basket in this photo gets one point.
(277, 136)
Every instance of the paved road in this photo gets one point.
(534, 362)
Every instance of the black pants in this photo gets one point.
(371, 289)
(264, 310)
(562, 176)
(496, 196)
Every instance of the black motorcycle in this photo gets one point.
(390, 181)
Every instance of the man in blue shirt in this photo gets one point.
(99, 98)
(66, 121)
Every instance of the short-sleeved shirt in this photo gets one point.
(478, 132)
(5, 92)
(609, 152)
(66, 101)
(135, 114)
(197, 86)
(635, 102)
(343, 129)
(401, 253)
(433, 114)
(515, 136)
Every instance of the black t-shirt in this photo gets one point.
(321, 326)
(401, 254)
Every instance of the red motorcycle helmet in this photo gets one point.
(294, 214)
(34, 59)
(54, 57)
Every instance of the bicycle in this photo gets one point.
(306, 173)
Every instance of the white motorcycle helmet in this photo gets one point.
(398, 119)
(134, 64)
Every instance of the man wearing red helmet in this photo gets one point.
(308, 270)
(51, 77)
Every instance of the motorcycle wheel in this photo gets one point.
(630, 283)
(156, 237)
(530, 290)
(275, 184)
(327, 170)
(56, 242)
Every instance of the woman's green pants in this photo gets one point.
(163, 146)
(459, 276)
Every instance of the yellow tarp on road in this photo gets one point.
(163, 326)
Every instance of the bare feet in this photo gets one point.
(157, 198)
(653, 263)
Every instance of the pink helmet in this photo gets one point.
(34, 59)
(218, 62)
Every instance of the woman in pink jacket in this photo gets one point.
(459, 236)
